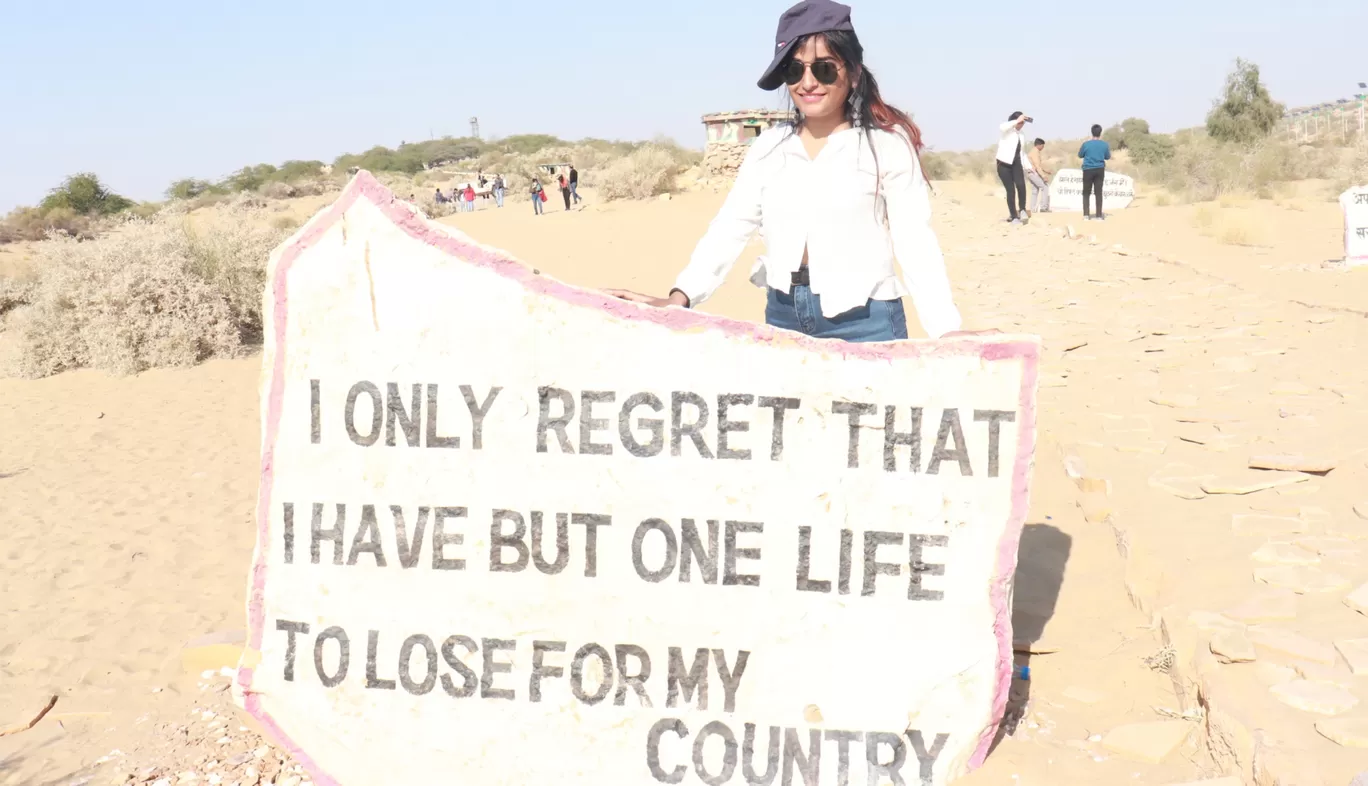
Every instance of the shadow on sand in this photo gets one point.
(1041, 561)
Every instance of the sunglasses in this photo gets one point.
(824, 71)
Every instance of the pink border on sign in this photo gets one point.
(364, 185)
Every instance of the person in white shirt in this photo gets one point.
(1012, 164)
(829, 269)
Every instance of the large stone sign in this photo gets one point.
(1066, 192)
(1354, 203)
(515, 532)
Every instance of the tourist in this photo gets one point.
(565, 190)
(1095, 154)
(470, 198)
(538, 196)
(1011, 170)
(498, 190)
(828, 270)
(1039, 178)
(574, 183)
(440, 198)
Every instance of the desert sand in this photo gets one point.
(1171, 360)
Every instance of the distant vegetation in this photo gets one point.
(71, 208)
(1238, 151)
(622, 170)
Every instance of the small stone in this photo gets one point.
(1358, 600)
(1149, 742)
(1266, 606)
(1175, 401)
(1355, 652)
(1180, 480)
(1209, 621)
(1349, 732)
(1319, 697)
(1272, 674)
(1327, 547)
(1232, 646)
(1293, 645)
(261, 752)
(1294, 463)
(1250, 483)
(1319, 672)
(1152, 447)
(1353, 529)
(1259, 524)
(1300, 579)
(1284, 554)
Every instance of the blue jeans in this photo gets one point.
(537, 204)
(801, 311)
(498, 197)
(574, 191)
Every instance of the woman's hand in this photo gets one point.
(963, 333)
(676, 298)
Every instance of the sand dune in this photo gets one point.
(129, 502)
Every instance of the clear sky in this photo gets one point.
(144, 92)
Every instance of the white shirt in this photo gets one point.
(1009, 141)
(828, 205)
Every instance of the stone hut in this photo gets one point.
(730, 134)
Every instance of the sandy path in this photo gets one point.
(129, 500)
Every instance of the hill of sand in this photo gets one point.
(128, 503)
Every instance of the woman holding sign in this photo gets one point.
(829, 269)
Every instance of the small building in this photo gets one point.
(741, 127)
(730, 133)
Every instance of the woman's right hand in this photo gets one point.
(676, 298)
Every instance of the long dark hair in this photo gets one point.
(865, 107)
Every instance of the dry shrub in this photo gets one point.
(14, 293)
(646, 172)
(1351, 171)
(1236, 231)
(1204, 217)
(32, 223)
(1163, 199)
(153, 293)
(275, 189)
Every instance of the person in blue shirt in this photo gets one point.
(1095, 154)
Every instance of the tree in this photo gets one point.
(1121, 135)
(188, 188)
(1245, 113)
(85, 195)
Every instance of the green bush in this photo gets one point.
(1245, 113)
(188, 188)
(85, 195)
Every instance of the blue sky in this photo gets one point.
(144, 92)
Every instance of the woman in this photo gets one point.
(829, 267)
(536, 196)
(470, 198)
(1012, 163)
(565, 191)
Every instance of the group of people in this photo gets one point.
(569, 188)
(1015, 170)
(465, 197)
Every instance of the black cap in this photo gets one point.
(806, 18)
